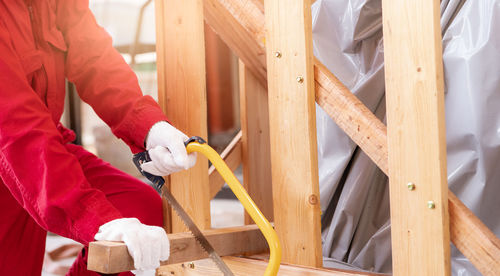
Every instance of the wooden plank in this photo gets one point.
(160, 65)
(113, 257)
(353, 117)
(221, 83)
(416, 137)
(485, 244)
(241, 23)
(256, 153)
(182, 95)
(245, 267)
(292, 117)
(232, 157)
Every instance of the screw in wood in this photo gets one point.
(300, 79)
(411, 186)
(431, 204)
(191, 265)
(277, 54)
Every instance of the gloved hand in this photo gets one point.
(165, 145)
(148, 245)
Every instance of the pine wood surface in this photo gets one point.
(181, 75)
(256, 152)
(241, 23)
(475, 241)
(352, 116)
(247, 266)
(292, 120)
(416, 137)
(113, 257)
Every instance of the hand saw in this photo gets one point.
(143, 157)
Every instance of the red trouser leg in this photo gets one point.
(130, 196)
(22, 240)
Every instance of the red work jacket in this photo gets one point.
(42, 42)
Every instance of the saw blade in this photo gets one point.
(158, 181)
(195, 231)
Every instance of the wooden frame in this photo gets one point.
(416, 138)
(280, 60)
(113, 257)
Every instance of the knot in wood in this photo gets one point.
(313, 199)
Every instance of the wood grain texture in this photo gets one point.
(241, 23)
(113, 257)
(245, 267)
(416, 137)
(160, 65)
(292, 121)
(256, 152)
(348, 112)
(181, 74)
(351, 115)
(232, 157)
(475, 241)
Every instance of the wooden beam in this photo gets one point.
(181, 74)
(474, 238)
(292, 117)
(160, 69)
(241, 25)
(113, 257)
(256, 153)
(416, 137)
(245, 267)
(232, 157)
(352, 116)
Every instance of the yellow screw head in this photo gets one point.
(431, 204)
(411, 186)
(191, 265)
(277, 54)
(300, 79)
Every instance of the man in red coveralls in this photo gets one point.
(48, 184)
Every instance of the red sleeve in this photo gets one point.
(102, 77)
(35, 166)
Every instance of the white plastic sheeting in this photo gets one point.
(347, 38)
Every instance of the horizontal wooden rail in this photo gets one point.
(232, 157)
(240, 23)
(246, 266)
(113, 257)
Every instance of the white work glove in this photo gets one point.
(165, 145)
(148, 245)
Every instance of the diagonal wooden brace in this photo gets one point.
(240, 23)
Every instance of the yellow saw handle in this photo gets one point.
(196, 144)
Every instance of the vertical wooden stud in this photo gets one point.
(160, 68)
(293, 130)
(256, 156)
(182, 95)
(416, 137)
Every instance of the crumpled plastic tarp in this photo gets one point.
(347, 37)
